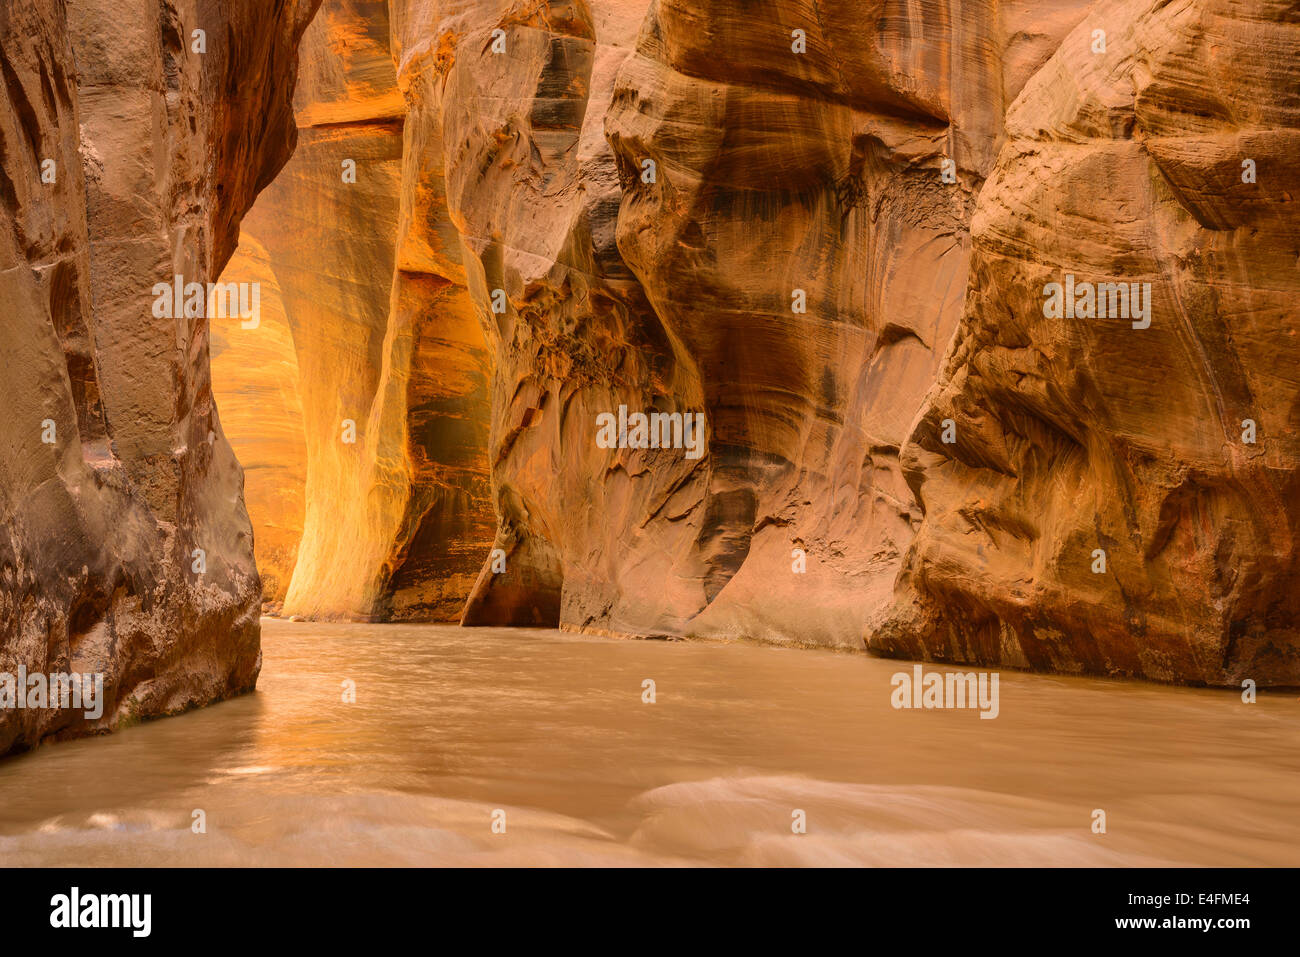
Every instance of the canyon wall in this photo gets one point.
(829, 229)
(133, 137)
(1120, 499)
(369, 457)
(734, 210)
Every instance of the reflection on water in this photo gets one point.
(452, 724)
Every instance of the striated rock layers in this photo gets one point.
(130, 146)
(827, 227)
(1126, 500)
(363, 392)
(731, 209)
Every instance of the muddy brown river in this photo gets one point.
(494, 746)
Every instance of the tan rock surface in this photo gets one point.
(1087, 435)
(502, 147)
(153, 167)
(776, 171)
(256, 384)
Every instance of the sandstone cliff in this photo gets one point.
(368, 489)
(130, 146)
(828, 228)
(1126, 500)
(792, 266)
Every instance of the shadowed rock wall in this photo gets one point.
(794, 272)
(130, 148)
(1126, 500)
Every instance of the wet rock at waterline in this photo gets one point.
(1123, 494)
(958, 332)
(980, 313)
(133, 137)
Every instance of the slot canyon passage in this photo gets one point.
(315, 316)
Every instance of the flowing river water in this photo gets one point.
(452, 725)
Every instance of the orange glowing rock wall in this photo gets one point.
(827, 228)
(371, 484)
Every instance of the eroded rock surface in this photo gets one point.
(126, 158)
(385, 425)
(777, 174)
(1125, 500)
(827, 228)
(258, 388)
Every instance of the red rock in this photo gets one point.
(1080, 436)
(154, 165)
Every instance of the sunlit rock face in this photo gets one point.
(370, 494)
(1125, 500)
(827, 229)
(126, 158)
(257, 386)
(514, 195)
